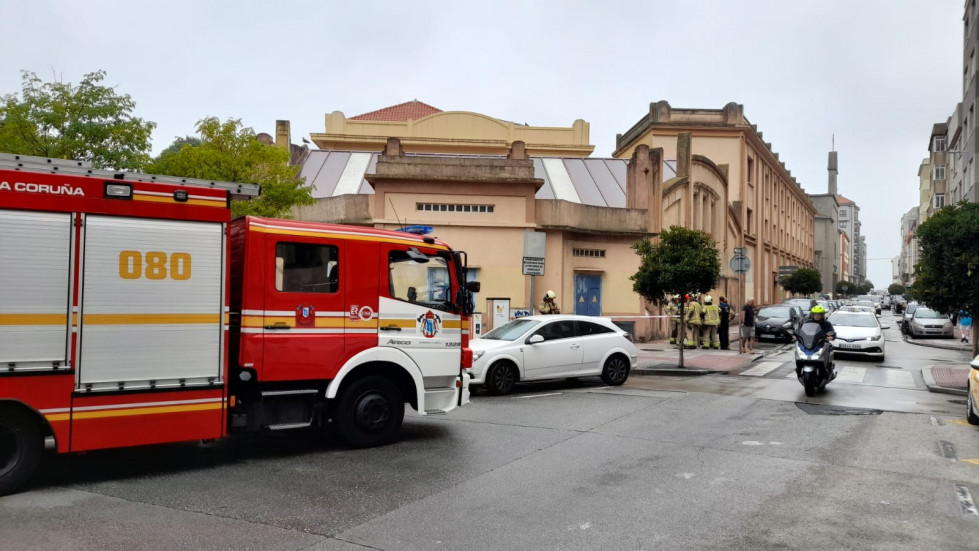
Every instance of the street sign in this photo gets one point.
(740, 251)
(533, 266)
(740, 264)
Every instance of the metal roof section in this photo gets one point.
(585, 180)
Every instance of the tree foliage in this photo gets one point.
(230, 152)
(85, 122)
(866, 287)
(947, 274)
(844, 287)
(682, 261)
(804, 281)
(895, 289)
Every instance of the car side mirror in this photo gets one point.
(534, 339)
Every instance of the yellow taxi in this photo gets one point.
(972, 411)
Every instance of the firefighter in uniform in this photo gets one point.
(712, 318)
(673, 310)
(692, 323)
(549, 306)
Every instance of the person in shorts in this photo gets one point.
(748, 327)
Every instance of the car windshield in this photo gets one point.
(912, 308)
(865, 303)
(846, 319)
(927, 313)
(774, 312)
(511, 331)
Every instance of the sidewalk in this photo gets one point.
(945, 379)
(659, 357)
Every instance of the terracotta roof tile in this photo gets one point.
(407, 111)
(843, 200)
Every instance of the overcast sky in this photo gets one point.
(876, 73)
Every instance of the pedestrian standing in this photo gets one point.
(748, 327)
(722, 328)
(673, 311)
(965, 325)
(712, 320)
(692, 323)
(549, 306)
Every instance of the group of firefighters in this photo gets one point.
(704, 323)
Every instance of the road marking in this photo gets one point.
(538, 395)
(947, 450)
(965, 501)
(893, 377)
(962, 422)
(850, 374)
(936, 421)
(973, 461)
(762, 369)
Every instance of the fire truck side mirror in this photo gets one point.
(472, 286)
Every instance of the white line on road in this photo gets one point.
(538, 395)
(896, 377)
(761, 369)
(965, 501)
(850, 374)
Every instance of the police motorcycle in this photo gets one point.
(814, 364)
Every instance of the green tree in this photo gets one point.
(846, 288)
(895, 289)
(866, 287)
(682, 261)
(947, 274)
(88, 122)
(805, 281)
(175, 147)
(230, 152)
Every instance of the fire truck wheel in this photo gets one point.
(370, 412)
(21, 445)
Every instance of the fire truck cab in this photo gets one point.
(134, 311)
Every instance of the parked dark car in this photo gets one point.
(804, 304)
(778, 321)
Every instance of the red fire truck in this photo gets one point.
(134, 311)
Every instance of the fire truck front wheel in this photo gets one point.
(21, 445)
(370, 412)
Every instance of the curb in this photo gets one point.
(935, 344)
(933, 387)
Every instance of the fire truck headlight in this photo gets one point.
(118, 191)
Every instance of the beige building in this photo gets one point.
(773, 213)
(426, 129)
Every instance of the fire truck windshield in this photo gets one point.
(420, 282)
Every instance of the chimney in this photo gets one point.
(832, 173)
(283, 138)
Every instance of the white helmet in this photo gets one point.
(550, 294)
(708, 299)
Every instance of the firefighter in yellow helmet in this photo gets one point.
(549, 306)
(693, 323)
(712, 318)
(673, 311)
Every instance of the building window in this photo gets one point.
(589, 253)
(938, 172)
(748, 227)
(843, 224)
(939, 200)
(446, 207)
(842, 213)
(751, 168)
(939, 143)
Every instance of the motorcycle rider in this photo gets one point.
(818, 315)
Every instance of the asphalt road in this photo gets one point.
(725, 462)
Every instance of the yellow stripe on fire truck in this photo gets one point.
(125, 410)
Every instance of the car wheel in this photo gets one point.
(616, 370)
(21, 445)
(970, 415)
(501, 379)
(370, 412)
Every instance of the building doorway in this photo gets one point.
(588, 295)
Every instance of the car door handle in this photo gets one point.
(278, 326)
(574, 346)
(390, 328)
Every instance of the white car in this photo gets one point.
(547, 347)
(926, 322)
(857, 332)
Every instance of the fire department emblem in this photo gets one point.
(305, 314)
(429, 324)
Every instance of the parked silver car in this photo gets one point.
(926, 322)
